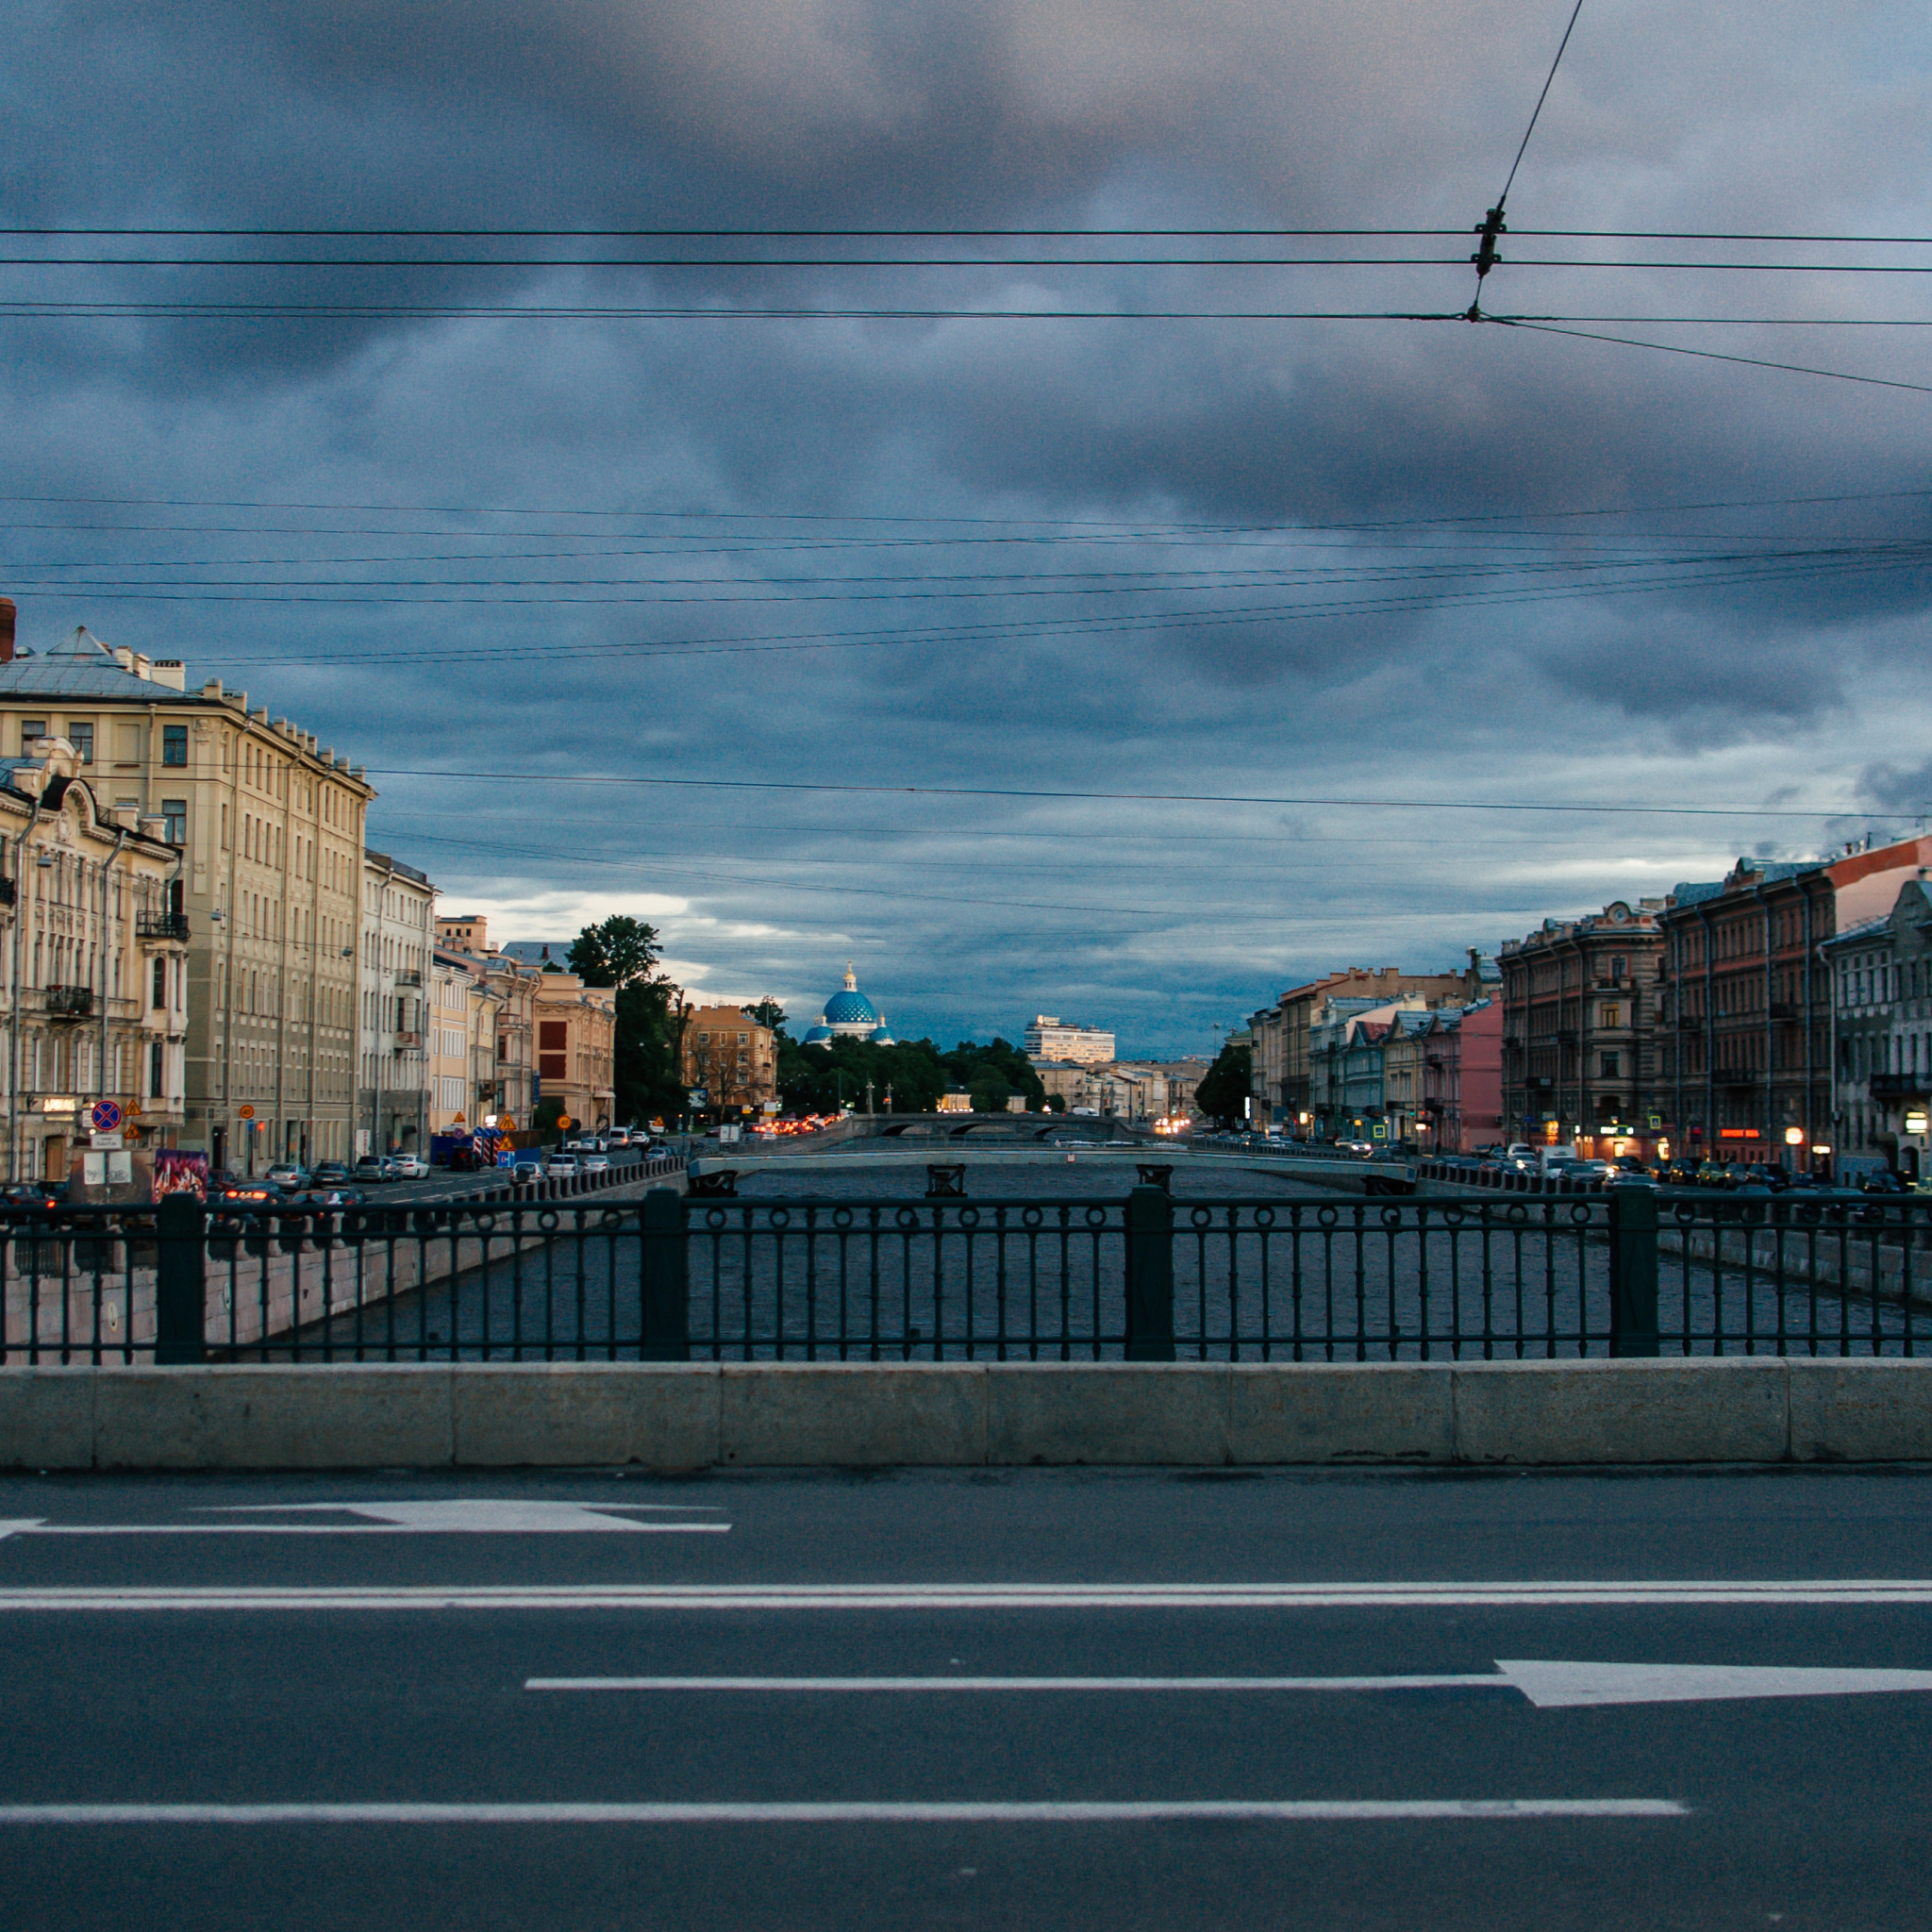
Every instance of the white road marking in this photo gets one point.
(1304, 1810)
(1549, 1686)
(478, 1516)
(693, 1598)
(1486, 1681)
(1556, 1686)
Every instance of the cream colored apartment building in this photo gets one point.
(503, 1022)
(576, 1047)
(732, 1058)
(94, 968)
(398, 936)
(270, 827)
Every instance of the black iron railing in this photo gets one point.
(162, 925)
(516, 1277)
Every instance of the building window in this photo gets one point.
(174, 811)
(160, 991)
(157, 1070)
(1611, 1064)
(173, 744)
(31, 728)
(81, 734)
(1612, 1016)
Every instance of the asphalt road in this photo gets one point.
(385, 1686)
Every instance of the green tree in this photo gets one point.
(620, 952)
(1223, 1091)
(906, 1078)
(768, 1012)
(623, 952)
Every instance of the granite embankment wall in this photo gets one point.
(1762, 1410)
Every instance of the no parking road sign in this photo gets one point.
(106, 1117)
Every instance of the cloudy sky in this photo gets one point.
(1041, 621)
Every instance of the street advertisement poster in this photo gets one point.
(180, 1170)
(110, 1177)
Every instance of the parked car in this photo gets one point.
(289, 1175)
(375, 1168)
(411, 1167)
(242, 1192)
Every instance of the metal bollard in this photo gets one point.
(666, 1331)
(1633, 1271)
(180, 1291)
(1149, 1276)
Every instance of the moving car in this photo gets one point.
(560, 1164)
(330, 1173)
(374, 1168)
(290, 1175)
(596, 1163)
(411, 1167)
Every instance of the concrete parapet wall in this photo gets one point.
(789, 1415)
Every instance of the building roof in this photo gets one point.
(1865, 929)
(372, 856)
(82, 666)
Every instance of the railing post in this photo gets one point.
(1633, 1271)
(666, 1279)
(180, 1293)
(1149, 1276)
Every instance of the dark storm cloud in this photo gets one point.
(1142, 632)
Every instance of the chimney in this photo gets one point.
(5, 630)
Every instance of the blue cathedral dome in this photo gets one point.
(849, 1015)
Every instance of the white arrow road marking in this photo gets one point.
(477, 1517)
(1554, 1685)
(1548, 1686)
(1307, 1810)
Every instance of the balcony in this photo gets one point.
(162, 925)
(408, 976)
(69, 1002)
(1900, 1085)
(409, 1040)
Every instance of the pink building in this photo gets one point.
(1463, 1078)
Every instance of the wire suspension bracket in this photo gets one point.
(1493, 226)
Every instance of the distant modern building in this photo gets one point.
(1051, 1039)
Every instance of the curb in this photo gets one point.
(1758, 1410)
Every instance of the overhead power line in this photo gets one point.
(1129, 231)
(1681, 811)
(1713, 355)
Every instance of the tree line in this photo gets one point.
(653, 1014)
